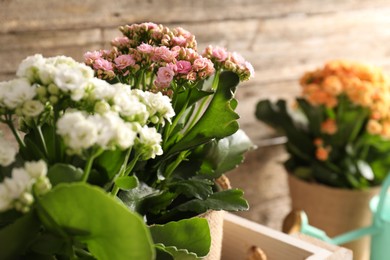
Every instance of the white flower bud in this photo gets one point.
(32, 108)
(36, 169)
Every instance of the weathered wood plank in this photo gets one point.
(17, 15)
(49, 39)
(10, 60)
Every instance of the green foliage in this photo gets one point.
(79, 212)
(219, 119)
(191, 236)
(356, 160)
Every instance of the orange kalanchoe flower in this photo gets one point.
(329, 126)
(362, 84)
(322, 153)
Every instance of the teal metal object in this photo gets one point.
(379, 230)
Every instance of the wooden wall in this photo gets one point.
(281, 38)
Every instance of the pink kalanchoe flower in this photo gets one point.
(164, 76)
(91, 56)
(163, 53)
(237, 58)
(192, 76)
(145, 48)
(150, 25)
(179, 41)
(124, 61)
(220, 54)
(183, 66)
(183, 32)
(250, 68)
(120, 41)
(102, 64)
(200, 63)
(173, 67)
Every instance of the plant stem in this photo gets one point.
(171, 127)
(176, 163)
(205, 100)
(42, 139)
(121, 172)
(14, 132)
(88, 166)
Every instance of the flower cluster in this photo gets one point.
(125, 139)
(16, 191)
(165, 59)
(364, 85)
(103, 115)
(343, 140)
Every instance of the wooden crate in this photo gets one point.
(241, 234)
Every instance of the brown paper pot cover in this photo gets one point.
(335, 210)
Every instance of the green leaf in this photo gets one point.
(193, 188)
(16, 237)
(227, 153)
(113, 232)
(110, 162)
(218, 121)
(127, 182)
(190, 95)
(300, 141)
(59, 173)
(134, 197)
(176, 254)
(192, 235)
(230, 200)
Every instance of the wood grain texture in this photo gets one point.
(281, 38)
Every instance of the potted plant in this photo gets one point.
(120, 161)
(338, 143)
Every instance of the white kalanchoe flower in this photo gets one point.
(70, 80)
(126, 134)
(78, 132)
(36, 169)
(149, 143)
(129, 106)
(113, 131)
(101, 89)
(29, 67)
(18, 92)
(16, 192)
(32, 108)
(18, 183)
(7, 152)
(158, 106)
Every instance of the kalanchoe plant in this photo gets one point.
(113, 166)
(338, 131)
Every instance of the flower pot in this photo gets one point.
(335, 210)
(215, 220)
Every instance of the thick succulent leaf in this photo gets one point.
(110, 162)
(127, 182)
(230, 200)
(59, 173)
(193, 188)
(80, 210)
(218, 121)
(227, 153)
(174, 253)
(300, 142)
(134, 197)
(192, 235)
